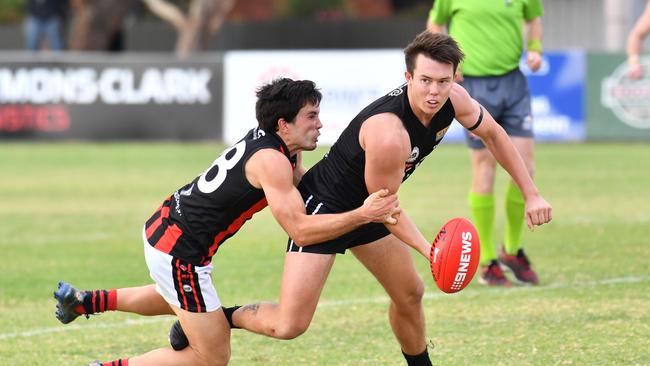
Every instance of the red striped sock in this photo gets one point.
(122, 362)
(98, 301)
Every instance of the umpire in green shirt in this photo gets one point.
(489, 32)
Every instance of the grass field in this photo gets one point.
(75, 212)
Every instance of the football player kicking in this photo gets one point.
(381, 147)
(186, 231)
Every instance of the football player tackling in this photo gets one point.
(381, 147)
(185, 232)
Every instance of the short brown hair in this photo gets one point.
(283, 98)
(436, 46)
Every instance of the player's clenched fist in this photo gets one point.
(538, 211)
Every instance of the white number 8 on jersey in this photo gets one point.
(222, 164)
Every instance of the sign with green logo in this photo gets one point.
(618, 107)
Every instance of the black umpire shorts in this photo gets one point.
(507, 98)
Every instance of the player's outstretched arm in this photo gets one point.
(387, 148)
(271, 171)
(468, 113)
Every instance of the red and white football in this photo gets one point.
(455, 255)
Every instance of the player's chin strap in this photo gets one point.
(480, 119)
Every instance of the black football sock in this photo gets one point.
(228, 313)
(421, 359)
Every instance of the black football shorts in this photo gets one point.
(362, 235)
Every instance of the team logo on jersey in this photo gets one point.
(187, 288)
(396, 92)
(440, 134)
(415, 153)
(258, 133)
(412, 162)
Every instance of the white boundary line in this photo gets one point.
(327, 304)
(500, 290)
(71, 327)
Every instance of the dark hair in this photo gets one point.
(283, 98)
(436, 46)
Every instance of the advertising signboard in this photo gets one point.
(102, 97)
(350, 80)
(619, 107)
(557, 96)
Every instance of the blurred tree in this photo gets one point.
(95, 23)
(201, 21)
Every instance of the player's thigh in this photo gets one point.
(303, 280)
(526, 147)
(208, 334)
(390, 261)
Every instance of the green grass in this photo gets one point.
(74, 211)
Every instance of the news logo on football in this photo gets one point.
(455, 255)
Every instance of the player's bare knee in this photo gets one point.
(411, 295)
(416, 294)
(290, 330)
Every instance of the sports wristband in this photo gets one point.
(535, 45)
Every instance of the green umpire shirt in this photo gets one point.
(489, 32)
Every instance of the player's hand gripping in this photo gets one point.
(538, 212)
(382, 207)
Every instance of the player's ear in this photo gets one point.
(407, 75)
(282, 124)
